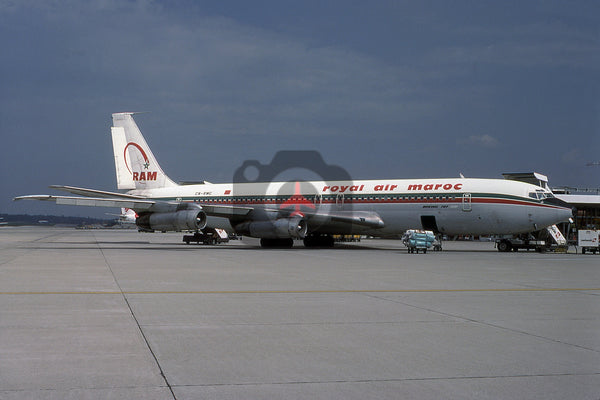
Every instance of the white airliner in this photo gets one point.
(127, 216)
(279, 212)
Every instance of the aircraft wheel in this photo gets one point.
(504, 246)
(328, 241)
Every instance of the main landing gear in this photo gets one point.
(277, 243)
(310, 241)
(315, 240)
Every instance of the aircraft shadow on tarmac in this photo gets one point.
(174, 246)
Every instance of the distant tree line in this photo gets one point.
(25, 219)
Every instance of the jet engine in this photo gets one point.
(282, 228)
(172, 221)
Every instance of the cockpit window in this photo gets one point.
(541, 195)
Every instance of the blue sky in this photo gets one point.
(385, 89)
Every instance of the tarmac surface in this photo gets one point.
(117, 314)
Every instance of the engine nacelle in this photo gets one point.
(282, 228)
(172, 221)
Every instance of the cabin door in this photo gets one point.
(466, 202)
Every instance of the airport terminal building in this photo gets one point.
(588, 207)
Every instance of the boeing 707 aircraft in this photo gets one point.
(279, 212)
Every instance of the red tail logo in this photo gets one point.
(144, 175)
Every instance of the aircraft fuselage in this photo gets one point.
(450, 206)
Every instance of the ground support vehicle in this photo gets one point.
(515, 243)
(588, 240)
(416, 239)
(548, 239)
(207, 236)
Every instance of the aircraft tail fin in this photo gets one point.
(135, 164)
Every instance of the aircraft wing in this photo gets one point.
(367, 219)
(212, 210)
(226, 211)
(93, 192)
(136, 204)
(139, 204)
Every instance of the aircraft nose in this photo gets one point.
(561, 203)
(558, 202)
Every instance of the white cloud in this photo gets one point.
(233, 76)
(484, 141)
(544, 44)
